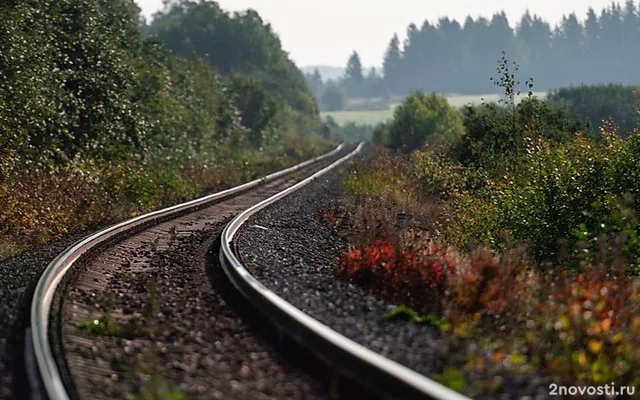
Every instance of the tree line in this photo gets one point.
(452, 57)
(103, 116)
(79, 78)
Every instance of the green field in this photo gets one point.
(375, 117)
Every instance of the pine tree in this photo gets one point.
(354, 78)
(391, 65)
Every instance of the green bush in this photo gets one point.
(491, 132)
(556, 189)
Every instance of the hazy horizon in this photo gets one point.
(299, 24)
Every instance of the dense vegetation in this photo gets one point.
(240, 43)
(594, 103)
(522, 235)
(448, 56)
(99, 122)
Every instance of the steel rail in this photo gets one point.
(42, 300)
(352, 359)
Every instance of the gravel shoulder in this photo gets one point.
(296, 256)
(196, 342)
(18, 276)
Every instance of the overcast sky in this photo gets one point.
(325, 32)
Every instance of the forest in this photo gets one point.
(103, 116)
(449, 56)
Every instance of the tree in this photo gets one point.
(258, 110)
(421, 118)
(373, 84)
(453, 51)
(315, 82)
(630, 38)
(409, 74)
(241, 42)
(568, 45)
(354, 79)
(593, 44)
(333, 98)
(391, 65)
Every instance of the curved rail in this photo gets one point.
(355, 360)
(49, 281)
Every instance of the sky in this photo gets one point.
(326, 32)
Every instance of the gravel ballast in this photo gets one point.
(197, 342)
(18, 276)
(296, 256)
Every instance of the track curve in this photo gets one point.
(356, 361)
(39, 341)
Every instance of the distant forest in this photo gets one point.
(450, 57)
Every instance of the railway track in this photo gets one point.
(136, 296)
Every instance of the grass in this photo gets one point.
(364, 117)
(9, 249)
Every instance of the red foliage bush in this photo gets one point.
(417, 277)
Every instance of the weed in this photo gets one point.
(154, 386)
(157, 389)
(409, 314)
(451, 378)
(103, 326)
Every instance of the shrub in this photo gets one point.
(490, 133)
(416, 276)
(554, 189)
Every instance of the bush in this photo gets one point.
(491, 133)
(553, 191)
(413, 276)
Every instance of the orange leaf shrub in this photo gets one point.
(414, 276)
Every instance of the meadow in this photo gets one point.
(373, 117)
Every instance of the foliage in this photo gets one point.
(409, 314)
(334, 98)
(103, 326)
(422, 118)
(381, 135)
(598, 103)
(354, 78)
(414, 276)
(157, 389)
(555, 189)
(66, 78)
(258, 111)
(451, 377)
(350, 132)
(242, 43)
(557, 290)
(494, 132)
(98, 123)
